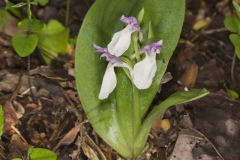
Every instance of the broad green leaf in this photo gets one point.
(237, 8)
(1, 120)
(175, 99)
(24, 44)
(232, 23)
(113, 118)
(42, 2)
(33, 25)
(235, 39)
(53, 40)
(17, 159)
(41, 154)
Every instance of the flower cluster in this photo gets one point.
(142, 73)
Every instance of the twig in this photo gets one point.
(68, 6)
(211, 31)
(233, 67)
(29, 78)
(18, 133)
(216, 150)
(15, 93)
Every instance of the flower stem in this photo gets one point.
(136, 47)
(29, 10)
(136, 111)
(136, 106)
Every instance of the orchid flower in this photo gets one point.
(145, 70)
(121, 40)
(109, 81)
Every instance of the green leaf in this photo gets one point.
(235, 39)
(17, 159)
(233, 94)
(140, 16)
(237, 8)
(14, 11)
(113, 118)
(24, 44)
(53, 27)
(1, 120)
(33, 25)
(53, 40)
(232, 23)
(41, 154)
(42, 2)
(177, 98)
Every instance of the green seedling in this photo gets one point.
(232, 23)
(39, 154)
(51, 39)
(233, 94)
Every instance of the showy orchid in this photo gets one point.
(121, 40)
(120, 112)
(109, 81)
(145, 70)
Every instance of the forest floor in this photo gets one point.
(47, 111)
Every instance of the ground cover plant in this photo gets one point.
(112, 80)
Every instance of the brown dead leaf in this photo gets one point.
(202, 23)
(75, 153)
(89, 152)
(161, 125)
(93, 146)
(156, 126)
(190, 75)
(10, 117)
(18, 147)
(69, 137)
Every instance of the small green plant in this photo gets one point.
(233, 94)
(232, 23)
(50, 38)
(39, 154)
(118, 84)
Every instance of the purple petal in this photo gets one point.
(100, 49)
(105, 53)
(132, 21)
(155, 47)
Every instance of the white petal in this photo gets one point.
(109, 82)
(120, 41)
(144, 72)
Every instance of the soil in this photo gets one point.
(43, 109)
